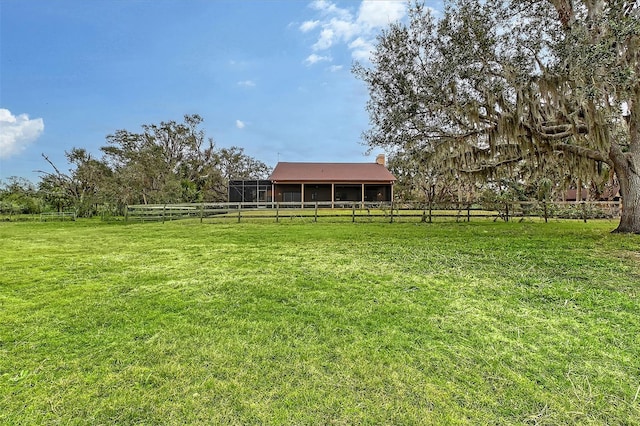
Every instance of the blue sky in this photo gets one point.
(273, 77)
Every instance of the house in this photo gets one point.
(326, 183)
(610, 192)
(332, 182)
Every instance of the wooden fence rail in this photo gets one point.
(354, 211)
(57, 216)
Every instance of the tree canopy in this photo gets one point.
(513, 88)
(164, 163)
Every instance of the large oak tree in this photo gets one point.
(504, 86)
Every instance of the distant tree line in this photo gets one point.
(169, 162)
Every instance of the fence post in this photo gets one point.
(315, 214)
(239, 211)
(353, 213)
(277, 212)
(201, 211)
(164, 207)
(391, 211)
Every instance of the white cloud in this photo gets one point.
(16, 132)
(379, 14)
(325, 41)
(344, 30)
(240, 124)
(308, 26)
(335, 68)
(247, 83)
(328, 8)
(313, 59)
(361, 49)
(339, 26)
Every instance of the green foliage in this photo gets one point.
(173, 162)
(418, 179)
(19, 196)
(169, 162)
(154, 166)
(183, 323)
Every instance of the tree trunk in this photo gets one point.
(627, 168)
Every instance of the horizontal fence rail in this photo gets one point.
(57, 216)
(382, 211)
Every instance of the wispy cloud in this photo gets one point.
(308, 26)
(240, 124)
(17, 132)
(247, 83)
(314, 59)
(357, 31)
(328, 8)
(325, 40)
(335, 68)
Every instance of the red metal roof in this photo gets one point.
(331, 172)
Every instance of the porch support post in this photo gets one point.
(362, 196)
(333, 194)
(302, 194)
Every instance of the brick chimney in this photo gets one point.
(380, 159)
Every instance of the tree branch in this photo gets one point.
(58, 172)
(581, 151)
(492, 165)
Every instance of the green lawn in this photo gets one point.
(319, 323)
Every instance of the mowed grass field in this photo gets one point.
(319, 323)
